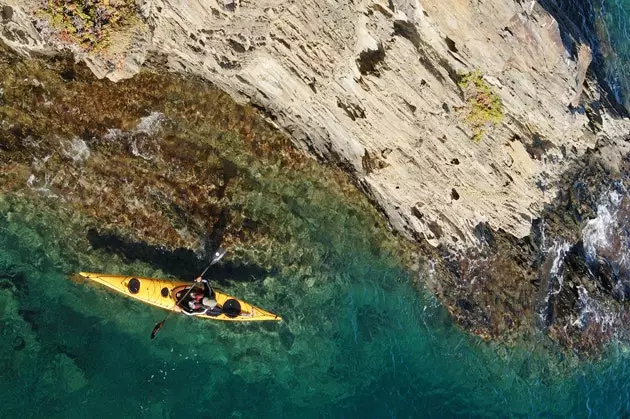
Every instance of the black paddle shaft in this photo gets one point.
(216, 257)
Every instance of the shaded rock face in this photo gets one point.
(585, 299)
(578, 26)
(376, 78)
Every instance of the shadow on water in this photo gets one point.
(182, 263)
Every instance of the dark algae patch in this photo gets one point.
(163, 160)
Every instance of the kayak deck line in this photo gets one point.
(162, 293)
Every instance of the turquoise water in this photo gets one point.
(358, 341)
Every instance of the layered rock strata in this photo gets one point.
(375, 87)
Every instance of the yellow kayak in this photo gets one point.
(164, 293)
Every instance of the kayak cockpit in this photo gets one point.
(229, 307)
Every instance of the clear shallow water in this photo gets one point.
(358, 341)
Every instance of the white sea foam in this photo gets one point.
(42, 187)
(38, 164)
(599, 231)
(113, 134)
(150, 124)
(555, 275)
(431, 268)
(592, 310)
(135, 149)
(77, 149)
(543, 237)
(36, 183)
(606, 234)
(560, 250)
(141, 139)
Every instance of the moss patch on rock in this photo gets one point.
(484, 108)
(88, 23)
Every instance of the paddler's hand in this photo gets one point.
(198, 279)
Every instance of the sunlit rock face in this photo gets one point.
(375, 87)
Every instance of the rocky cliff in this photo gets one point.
(391, 91)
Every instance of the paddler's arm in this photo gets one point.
(206, 285)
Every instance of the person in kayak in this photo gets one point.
(202, 301)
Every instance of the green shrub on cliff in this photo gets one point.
(87, 22)
(483, 107)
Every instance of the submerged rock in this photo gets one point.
(164, 168)
(62, 373)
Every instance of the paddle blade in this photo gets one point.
(220, 252)
(156, 329)
(78, 279)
